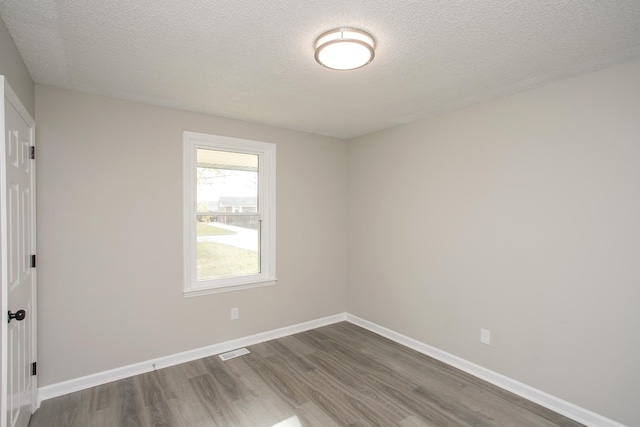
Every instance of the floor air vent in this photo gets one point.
(235, 353)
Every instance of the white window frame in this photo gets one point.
(266, 153)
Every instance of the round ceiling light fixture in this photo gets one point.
(345, 49)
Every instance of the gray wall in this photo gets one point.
(110, 235)
(13, 68)
(518, 215)
(522, 216)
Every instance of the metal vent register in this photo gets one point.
(235, 353)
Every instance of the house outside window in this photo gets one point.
(229, 213)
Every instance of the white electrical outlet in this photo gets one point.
(234, 313)
(485, 336)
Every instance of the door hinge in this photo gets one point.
(33, 152)
(33, 261)
(34, 368)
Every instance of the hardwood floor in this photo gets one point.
(338, 375)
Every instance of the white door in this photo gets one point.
(17, 218)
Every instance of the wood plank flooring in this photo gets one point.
(338, 375)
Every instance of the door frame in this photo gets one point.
(8, 94)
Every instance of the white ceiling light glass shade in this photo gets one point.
(345, 49)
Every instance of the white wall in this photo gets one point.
(522, 216)
(110, 242)
(13, 68)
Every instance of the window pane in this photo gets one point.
(229, 213)
(225, 250)
(228, 239)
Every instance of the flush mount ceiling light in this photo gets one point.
(345, 49)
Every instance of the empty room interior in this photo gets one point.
(446, 233)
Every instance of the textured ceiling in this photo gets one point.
(253, 60)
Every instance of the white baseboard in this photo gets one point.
(569, 410)
(77, 384)
(556, 404)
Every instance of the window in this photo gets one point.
(229, 213)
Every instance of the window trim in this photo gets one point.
(267, 206)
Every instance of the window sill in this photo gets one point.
(230, 288)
